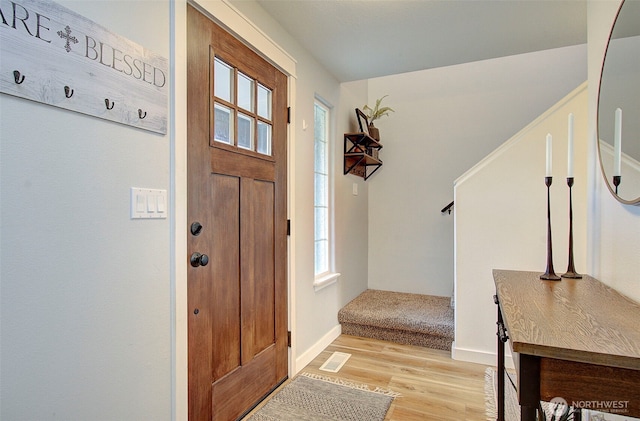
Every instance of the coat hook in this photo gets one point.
(107, 102)
(18, 77)
(68, 92)
(141, 115)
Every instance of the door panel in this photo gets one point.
(237, 320)
(224, 272)
(240, 389)
(262, 243)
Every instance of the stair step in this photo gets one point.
(413, 319)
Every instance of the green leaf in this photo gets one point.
(376, 112)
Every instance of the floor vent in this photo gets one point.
(335, 362)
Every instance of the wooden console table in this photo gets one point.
(576, 339)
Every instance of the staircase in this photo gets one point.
(412, 319)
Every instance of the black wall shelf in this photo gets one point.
(361, 154)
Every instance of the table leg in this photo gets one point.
(577, 414)
(528, 386)
(528, 413)
(500, 374)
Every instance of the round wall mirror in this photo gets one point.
(619, 106)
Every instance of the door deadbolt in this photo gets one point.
(198, 259)
(196, 228)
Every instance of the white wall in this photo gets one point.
(614, 228)
(85, 304)
(352, 217)
(501, 219)
(446, 120)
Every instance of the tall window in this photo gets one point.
(322, 192)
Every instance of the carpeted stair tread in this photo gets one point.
(414, 319)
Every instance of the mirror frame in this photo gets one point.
(635, 201)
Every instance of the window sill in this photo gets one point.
(325, 280)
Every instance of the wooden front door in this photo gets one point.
(237, 245)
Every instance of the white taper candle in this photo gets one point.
(549, 147)
(570, 147)
(617, 143)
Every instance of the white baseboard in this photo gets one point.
(308, 356)
(479, 357)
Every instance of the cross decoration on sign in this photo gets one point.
(67, 34)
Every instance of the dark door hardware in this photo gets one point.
(198, 259)
(196, 228)
(18, 77)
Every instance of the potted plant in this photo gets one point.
(375, 113)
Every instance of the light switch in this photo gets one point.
(141, 203)
(148, 203)
(355, 189)
(151, 202)
(162, 203)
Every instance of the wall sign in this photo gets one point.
(52, 55)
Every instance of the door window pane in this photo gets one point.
(320, 156)
(321, 195)
(223, 80)
(223, 124)
(264, 102)
(245, 132)
(245, 92)
(264, 138)
(321, 256)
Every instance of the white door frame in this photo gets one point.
(235, 22)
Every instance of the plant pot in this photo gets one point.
(374, 132)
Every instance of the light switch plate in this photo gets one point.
(148, 203)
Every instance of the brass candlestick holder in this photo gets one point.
(549, 274)
(571, 271)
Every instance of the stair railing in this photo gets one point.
(447, 208)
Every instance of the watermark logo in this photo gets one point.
(559, 406)
(612, 407)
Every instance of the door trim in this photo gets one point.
(229, 17)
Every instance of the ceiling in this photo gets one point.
(364, 39)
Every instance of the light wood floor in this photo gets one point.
(432, 385)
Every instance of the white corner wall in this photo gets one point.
(614, 228)
(445, 121)
(501, 219)
(85, 290)
(352, 210)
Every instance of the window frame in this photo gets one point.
(329, 276)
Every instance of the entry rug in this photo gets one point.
(311, 397)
